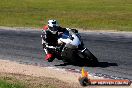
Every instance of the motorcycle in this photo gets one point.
(71, 49)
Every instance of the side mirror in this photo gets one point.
(74, 30)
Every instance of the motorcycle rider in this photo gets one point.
(50, 34)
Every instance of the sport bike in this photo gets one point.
(72, 50)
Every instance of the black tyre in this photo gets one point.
(90, 57)
(69, 53)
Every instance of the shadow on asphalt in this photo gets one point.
(99, 64)
(106, 64)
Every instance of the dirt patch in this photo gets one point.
(39, 74)
(79, 29)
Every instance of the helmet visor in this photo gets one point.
(53, 29)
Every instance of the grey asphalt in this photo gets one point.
(113, 50)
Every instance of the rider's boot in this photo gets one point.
(49, 57)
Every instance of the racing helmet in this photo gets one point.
(53, 25)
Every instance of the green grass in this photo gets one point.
(86, 14)
(11, 81)
(5, 84)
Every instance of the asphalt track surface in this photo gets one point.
(113, 50)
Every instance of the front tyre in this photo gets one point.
(90, 57)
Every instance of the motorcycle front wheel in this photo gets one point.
(90, 57)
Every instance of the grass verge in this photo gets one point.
(86, 14)
(5, 84)
(8, 80)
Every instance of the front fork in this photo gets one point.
(81, 53)
(84, 50)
